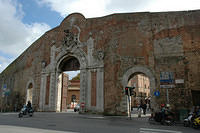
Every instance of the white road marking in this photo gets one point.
(98, 117)
(149, 130)
(18, 129)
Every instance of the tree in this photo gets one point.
(77, 77)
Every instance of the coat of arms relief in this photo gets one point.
(70, 40)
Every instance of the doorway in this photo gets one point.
(71, 90)
(196, 97)
(66, 86)
(29, 95)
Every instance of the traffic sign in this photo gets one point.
(157, 93)
(82, 104)
(4, 87)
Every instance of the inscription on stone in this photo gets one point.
(168, 47)
(128, 60)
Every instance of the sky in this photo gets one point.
(23, 21)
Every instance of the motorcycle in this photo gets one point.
(25, 111)
(196, 122)
(167, 119)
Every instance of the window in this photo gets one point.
(196, 97)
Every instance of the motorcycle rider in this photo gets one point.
(166, 113)
(29, 106)
(26, 110)
(162, 113)
(196, 110)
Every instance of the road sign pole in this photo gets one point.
(129, 105)
(167, 96)
(1, 104)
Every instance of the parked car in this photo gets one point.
(77, 107)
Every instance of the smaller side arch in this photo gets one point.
(148, 72)
(29, 90)
(136, 69)
(30, 81)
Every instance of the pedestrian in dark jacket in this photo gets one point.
(29, 106)
(144, 107)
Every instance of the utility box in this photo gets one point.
(183, 113)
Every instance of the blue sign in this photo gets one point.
(167, 81)
(166, 77)
(157, 93)
(4, 87)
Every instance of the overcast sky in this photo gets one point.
(24, 21)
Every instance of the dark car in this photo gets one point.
(77, 107)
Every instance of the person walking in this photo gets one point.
(139, 110)
(144, 108)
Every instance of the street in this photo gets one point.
(71, 122)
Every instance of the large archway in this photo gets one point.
(72, 57)
(145, 71)
(69, 61)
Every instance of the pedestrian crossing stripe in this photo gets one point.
(149, 130)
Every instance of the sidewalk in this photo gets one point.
(134, 113)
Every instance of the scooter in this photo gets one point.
(188, 121)
(25, 111)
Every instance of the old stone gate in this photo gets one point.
(108, 51)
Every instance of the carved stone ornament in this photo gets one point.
(100, 55)
(70, 40)
(43, 64)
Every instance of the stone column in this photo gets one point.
(58, 91)
(83, 89)
(42, 91)
(52, 92)
(89, 90)
(100, 90)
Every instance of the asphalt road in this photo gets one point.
(43, 122)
